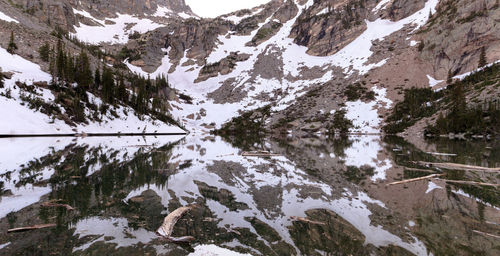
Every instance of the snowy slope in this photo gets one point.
(353, 59)
(117, 30)
(18, 119)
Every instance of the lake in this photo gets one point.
(313, 196)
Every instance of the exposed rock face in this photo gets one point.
(457, 32)
(400, 9)
(196, 37)
(60, 13)
(223, 67)
(328, 26)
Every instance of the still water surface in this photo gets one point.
(317, 197)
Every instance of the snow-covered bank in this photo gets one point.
(17, 118)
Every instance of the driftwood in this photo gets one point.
(454, 166)
(258, 153)
(485, 234)
(295, 218)
(416, 179)
(24, 229)
(167, 228)
(67, 206)
(472, 183)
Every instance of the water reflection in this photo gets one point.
(320, 197)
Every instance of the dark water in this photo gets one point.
(318, 197)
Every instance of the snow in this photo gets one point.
(4, 245)
(365, 151)
(433, 82)
(413, 43)
(464, 75)
(324, 11)
(115, 228)
(7, 18)
(382, 5)
(214, 8)
(214, 250)
(162, 11)
(117, 32)
(431, 187)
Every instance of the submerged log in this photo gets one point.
(454, 166)
(466, 182)
(167, 228)
(440, 154)
(419, 170)
(24, 229)
(301, 219)
(416, 179)
(485, 234)
(67, 206)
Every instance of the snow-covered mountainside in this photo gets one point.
(312, 62)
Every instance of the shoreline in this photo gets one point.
(83, 135)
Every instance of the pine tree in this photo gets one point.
(69, 68)
(44, 52)
(12, 47)
(482, 58)
(121, 91)
(97, 78)
(108, 85)
(1, 80)
(83, 72)
(60, 60)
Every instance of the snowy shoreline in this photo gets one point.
(92, 135)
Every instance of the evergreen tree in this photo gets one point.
(482, 58)
(44, 52)
(69, 68)
(97, 78)
(60, 60)
(12, 47)
(83, 72)
(1, 80)
(121, 91)
(108, 85)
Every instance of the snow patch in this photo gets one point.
(117, 32)
(433, 82)
(214, 250)
(431, 187)
(7, 18)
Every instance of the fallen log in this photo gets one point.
(258, 154)
(167, 227)
(485, 234)
(301, 219)
(454, 166)
(415, 179)
(24, 229)
(466, 182)
(67, 206)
